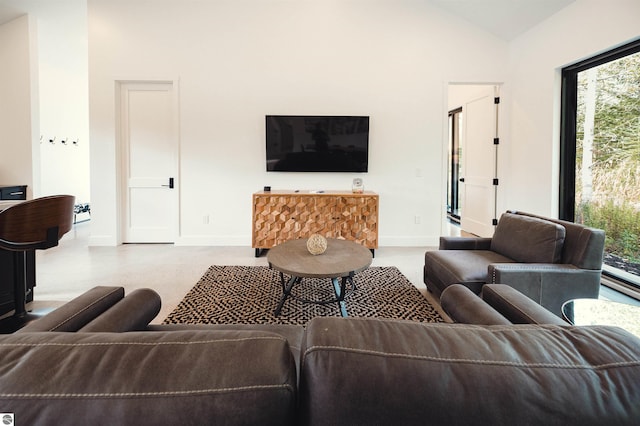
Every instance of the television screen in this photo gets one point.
(317, 143)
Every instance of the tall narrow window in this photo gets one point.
(600, 156)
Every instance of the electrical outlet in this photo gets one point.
(417, 219)
(205, 219)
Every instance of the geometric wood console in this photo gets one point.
(280, 216)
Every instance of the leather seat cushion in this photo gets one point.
(461, 266)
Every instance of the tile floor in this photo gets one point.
(73, 267)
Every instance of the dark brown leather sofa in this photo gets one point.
(80, 365)
(549, 260)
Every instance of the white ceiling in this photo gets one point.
(504, 18)
(11, 9)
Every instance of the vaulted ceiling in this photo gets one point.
(506, 19)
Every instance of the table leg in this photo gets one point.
(286, 290)
(340, 289)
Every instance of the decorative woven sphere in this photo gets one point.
(316, 244)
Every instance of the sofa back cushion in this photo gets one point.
(583, 246)
(357, 371)
(149, 378)
(528, 239)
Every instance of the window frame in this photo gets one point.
(568, 133)
(568, 117)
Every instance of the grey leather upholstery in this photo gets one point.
(464, 306)
(497, 304)
(351, 371)
(134, 312)
(78, 312)
(145, 378)
(550, 261)
(371, 372)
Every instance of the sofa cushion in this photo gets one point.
(366, 372)
(293, 333)
(468, 267)
(528, 239)
(583, 246)
(148, 378)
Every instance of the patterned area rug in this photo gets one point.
(249, 295)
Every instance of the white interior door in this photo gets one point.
(149, 143)
(479, 164)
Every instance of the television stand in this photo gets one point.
(280, 216)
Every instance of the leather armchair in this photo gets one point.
(551, 261)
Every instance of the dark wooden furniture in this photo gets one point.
(25, 227)
(13, 192)
(10, 261)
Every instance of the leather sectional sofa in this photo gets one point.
(549, 260)
(96, 360)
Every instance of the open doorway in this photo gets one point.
(454, 165)
(472, 145)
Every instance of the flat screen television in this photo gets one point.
(305, 143)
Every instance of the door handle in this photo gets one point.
(170, 183)
(461, 179)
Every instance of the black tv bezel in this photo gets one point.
(365, 169)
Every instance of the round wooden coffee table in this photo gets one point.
(342, 260)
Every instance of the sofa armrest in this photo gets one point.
(516, 307)
(548, 284)
(78, 312)
(464, 306)
(465, 243)
(133, 313)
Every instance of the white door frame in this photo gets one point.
(122, 157)
(498, 132)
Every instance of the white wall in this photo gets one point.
(389, 59)
(18, 104)
(64, 97)
(45, 70)
(237, 61)
(581, 30)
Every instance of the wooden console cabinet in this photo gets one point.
(280, 216)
